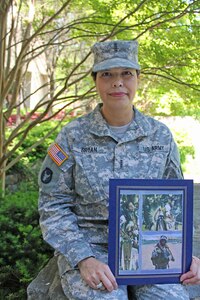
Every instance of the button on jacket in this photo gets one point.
(73, 201)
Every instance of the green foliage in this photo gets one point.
(181, 129)
(29, 165)
(38, 132)
(168, 35)
(186, 149)
(22, 249)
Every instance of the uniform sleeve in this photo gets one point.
(57, 198)
(173, 165)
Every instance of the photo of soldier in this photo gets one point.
(148, 209)
(160, 218)
(151, 246)
(176, 211)
(162, 255)
(162, 212)
(129, 234)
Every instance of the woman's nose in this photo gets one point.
(117, 82)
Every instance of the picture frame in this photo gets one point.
(150, 230)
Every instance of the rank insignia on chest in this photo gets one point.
(57, 154)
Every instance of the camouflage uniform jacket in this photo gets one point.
(161, 256)
(73, 202)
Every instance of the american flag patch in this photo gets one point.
(57, 154)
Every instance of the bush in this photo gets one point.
(23, 251)
(27, 168)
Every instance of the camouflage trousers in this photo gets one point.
(161, 292)
(75, 288)
(78, 290)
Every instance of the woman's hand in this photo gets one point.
(192, 276)
(94, 272)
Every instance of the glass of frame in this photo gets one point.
(150, 230)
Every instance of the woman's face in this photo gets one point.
(117, 87)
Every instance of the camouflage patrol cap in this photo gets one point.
(163, 237)
(115, 54)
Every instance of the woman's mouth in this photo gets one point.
(117, 94)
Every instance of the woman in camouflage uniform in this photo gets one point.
(113, 141)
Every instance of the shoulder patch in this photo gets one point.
(46, 175)
(57, 154)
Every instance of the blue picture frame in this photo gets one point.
(150, 230)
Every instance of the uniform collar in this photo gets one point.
(139, 128)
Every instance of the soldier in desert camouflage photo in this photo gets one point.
(115, 140)
(162, 255)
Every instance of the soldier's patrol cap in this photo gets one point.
(115, 54)
(163, 237)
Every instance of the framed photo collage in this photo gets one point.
(150, 230)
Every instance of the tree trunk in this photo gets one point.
(3, 179)
(3, 26)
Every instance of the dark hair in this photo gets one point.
(94, 74)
